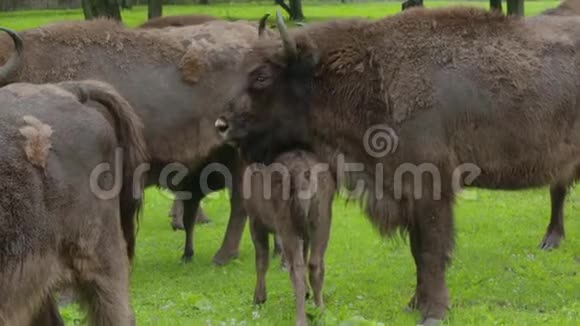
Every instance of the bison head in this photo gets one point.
(270, 110)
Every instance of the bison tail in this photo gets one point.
(129, 132)
(13, 63)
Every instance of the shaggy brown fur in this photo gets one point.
(54, 229)
(177, 21)
(37, 140)
(565, 8)
(293, 199)
(173, 77)
(498, 93)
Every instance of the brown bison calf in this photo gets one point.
(67, 200)
(291, 197)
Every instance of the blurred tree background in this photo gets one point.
(111, 8)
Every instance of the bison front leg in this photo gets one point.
(190, 207)
(260, 240)
(555, 232)
(236, 223)
(431, 245)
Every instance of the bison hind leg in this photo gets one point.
(106, 300)
(555, 231)
(103, 283)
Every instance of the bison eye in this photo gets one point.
(260, 79)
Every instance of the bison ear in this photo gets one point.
(308, 54)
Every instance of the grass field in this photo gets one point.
(312, 11)
(498, 276)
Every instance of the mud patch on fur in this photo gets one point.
(38, 143)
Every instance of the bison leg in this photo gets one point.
(431, 244)
(292, 248)
(176, 214)
(416, 251)
(277, 247)
(48, 314)
(319, 242)
(260, 239)
(190, 206)
(104, 282)
(236, 223)
(201, 217)
(278, 252)
(305, 250)
(555, 232)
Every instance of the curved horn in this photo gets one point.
(262, 25)
(14, 61)
(289, 44)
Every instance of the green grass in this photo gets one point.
(312, 11)
(498, 276)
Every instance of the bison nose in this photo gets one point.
(221, 125)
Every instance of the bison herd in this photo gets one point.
(94, 112)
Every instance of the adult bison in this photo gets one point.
(176, 210)
(176, 21)
(494, 97)
(174, 79)
(68, 200)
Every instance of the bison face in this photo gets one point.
(270, 111)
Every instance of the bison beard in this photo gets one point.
(460, 111)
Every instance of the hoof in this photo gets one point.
(413, 304)
(259, 300)
(222, 258)
(551, 241)
(176, 227)
(186, 259)
(202, 219)
(430, 322)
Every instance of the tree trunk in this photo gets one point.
(126, 4)
(296, 8)
(155, 8)
(284, 6)
(204, 2)
(495, 5)
(515, 7)
(101, 8)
